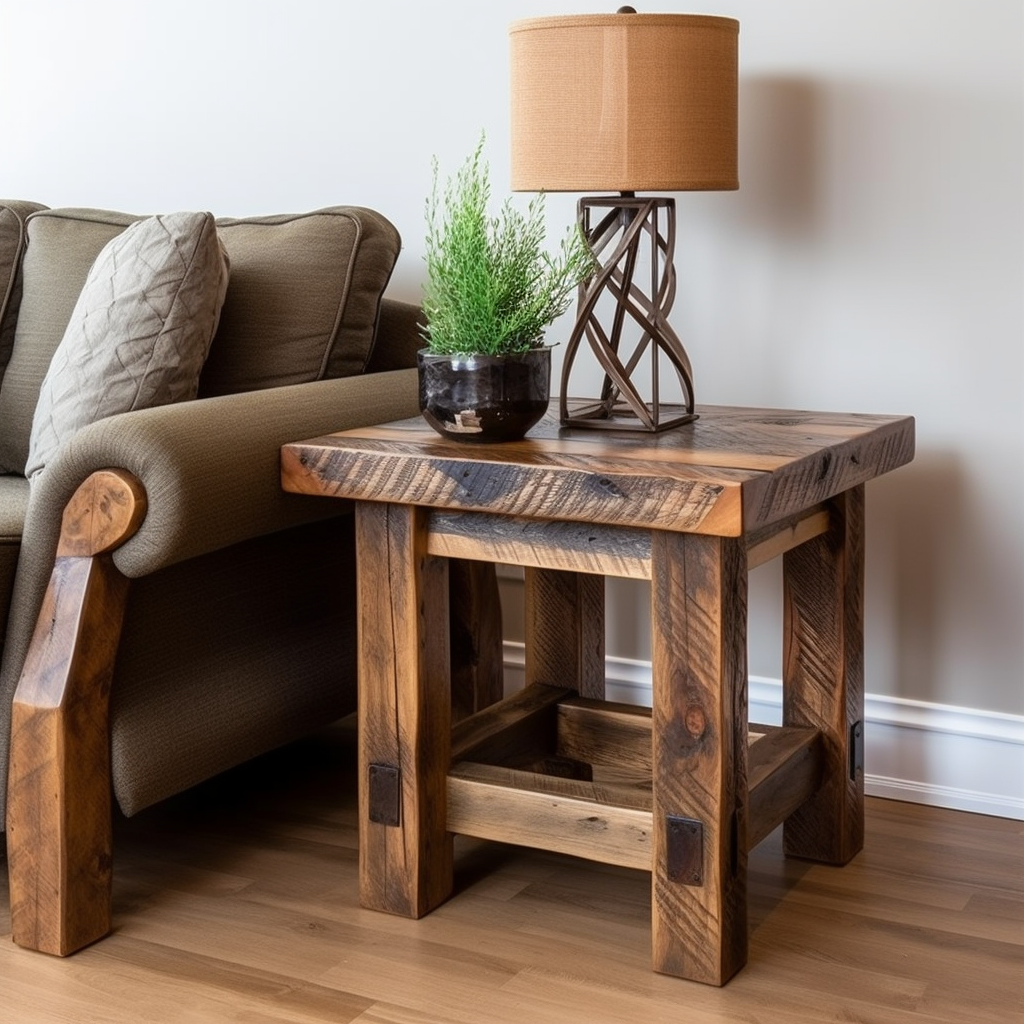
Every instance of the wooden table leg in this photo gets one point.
(405, 851)
(476, 652)
(823, 678)
(699, 741)
(565, 630)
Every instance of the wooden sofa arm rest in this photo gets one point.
(59, 850)
(102, 514)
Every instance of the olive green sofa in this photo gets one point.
(236, 634)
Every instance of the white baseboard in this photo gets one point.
(961, 758)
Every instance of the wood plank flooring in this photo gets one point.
(237, 902)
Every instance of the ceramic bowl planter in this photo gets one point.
(484, 399)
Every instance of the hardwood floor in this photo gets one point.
(237, 902)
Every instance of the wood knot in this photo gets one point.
(609, 487)
(695, 721)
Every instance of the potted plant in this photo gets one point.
(491, 291)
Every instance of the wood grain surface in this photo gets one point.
(699, 752)
(238, 902)
(564, 614)
(823, 676)
(58, 805)
(607, 823)
(731, 471)
(474, 606)
(606, 733)
(404, 708)
(542, 544)
(692, 510)
(580, 815)
(523, 723)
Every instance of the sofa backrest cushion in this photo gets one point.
(303, 300)
(61, 246)
(140, 330)
(12, 242)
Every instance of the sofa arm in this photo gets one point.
(211, 468)
(398, 336)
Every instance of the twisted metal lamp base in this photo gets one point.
(619, 229)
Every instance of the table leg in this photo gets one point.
(405, 851)
(699, 740)
(565, 630)
(823, 678)
(476, 653)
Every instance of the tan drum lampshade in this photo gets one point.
(624, 103)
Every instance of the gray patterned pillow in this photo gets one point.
(140, 331)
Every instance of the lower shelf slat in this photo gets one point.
(612, 822)
(584, 819)
(784, 769)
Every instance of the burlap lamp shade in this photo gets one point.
(626, 103)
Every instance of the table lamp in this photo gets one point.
(626, 103)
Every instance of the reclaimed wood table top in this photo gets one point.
(734, 470)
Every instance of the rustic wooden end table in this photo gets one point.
(691, 510)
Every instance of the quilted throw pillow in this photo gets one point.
(140, 331)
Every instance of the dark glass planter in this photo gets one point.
(483, 399)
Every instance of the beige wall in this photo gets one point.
(871, 261)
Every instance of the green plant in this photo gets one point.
(491, 287)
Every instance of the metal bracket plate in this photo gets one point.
(385, 792)
(685, 850)
(856, 750)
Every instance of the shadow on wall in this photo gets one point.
(936, 559)
(811, 149)
(779, 145)
(744, 258)
(908, 517)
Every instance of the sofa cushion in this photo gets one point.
(12, 242)
(140, 330)
(60, 247)
(303, 300)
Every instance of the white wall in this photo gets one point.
(872, 261)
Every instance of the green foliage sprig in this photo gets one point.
(492, 288)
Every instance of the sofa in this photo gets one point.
(168, 611)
